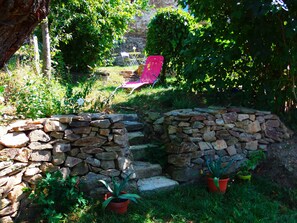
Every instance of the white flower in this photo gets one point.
(80, 101)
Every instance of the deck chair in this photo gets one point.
(150, 74)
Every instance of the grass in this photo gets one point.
(259, 201)
(161, 98)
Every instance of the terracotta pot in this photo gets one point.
(223, 183)
(119, 207)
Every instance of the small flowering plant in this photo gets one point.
(80, 101)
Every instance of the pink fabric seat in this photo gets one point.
(150, 74)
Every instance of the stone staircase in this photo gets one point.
(149, 174)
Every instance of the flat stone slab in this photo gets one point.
(133, 126)
(154, 184)
(135, 138)
(146, 169)
(130, 117)
(140, 151)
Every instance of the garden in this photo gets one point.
(230, 55)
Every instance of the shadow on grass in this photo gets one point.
(160, 100)
(243, 202)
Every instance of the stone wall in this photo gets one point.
(139, 26)
(136, 37)
(95, 146)
(194, 135)
(90, 146)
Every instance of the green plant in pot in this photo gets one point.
(245, 171)
(117, 200)
(217, 180)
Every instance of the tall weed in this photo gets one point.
(57, 196)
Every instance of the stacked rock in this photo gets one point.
(194, 135)
(77, 145)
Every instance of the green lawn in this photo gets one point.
(259, 201)
(163, 97)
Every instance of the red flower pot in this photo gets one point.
(118, 206)
(223, 183)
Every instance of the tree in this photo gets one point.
(46, 55)
(84, 32)
(248, 45)
(18, 18)
(166, 34)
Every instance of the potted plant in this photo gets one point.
(217, 180)
(245, 171)
(117, 199)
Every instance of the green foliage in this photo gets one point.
(116, 191)
(217, 169)
(84, 32)
(37, 97)
(57, 196)
(247, 47)
(259, 201)
(166, 34)
(251, 163)
(75, 97)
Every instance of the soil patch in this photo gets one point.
(281, 163)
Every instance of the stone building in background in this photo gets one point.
(137, 36)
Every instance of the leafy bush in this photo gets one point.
(247, 48)
(84, 32)
(75, 98)
(38, 98)
(57, 196)
(35, 96)
(166, 34)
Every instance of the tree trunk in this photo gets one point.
(18, 18)
(36, 56)
(46, 53)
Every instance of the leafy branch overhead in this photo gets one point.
(248, 47)
(84, 32)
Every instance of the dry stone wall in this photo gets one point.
(194, 135)
(90, 146)
(136, 37)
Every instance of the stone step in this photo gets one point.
(146, 169)
(156, 183)
(136, 138)
(141, 152)
(133, 126)
(130, 117)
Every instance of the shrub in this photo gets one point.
(38, 97)
(57, 196)
(35, 96)
(166, 34)
(247, 47)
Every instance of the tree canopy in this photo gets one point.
(248, 45)
(166, 34)
(84, 32)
